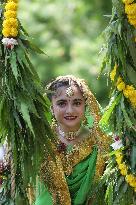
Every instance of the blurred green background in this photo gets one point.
(70, 33)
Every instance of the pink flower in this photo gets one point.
(117, 143)
(9, 42)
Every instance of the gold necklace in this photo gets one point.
(69, 135)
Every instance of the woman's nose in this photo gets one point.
(69, 109)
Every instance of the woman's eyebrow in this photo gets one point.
(78, 99)
(61, 100)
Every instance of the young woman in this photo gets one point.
(80, 149)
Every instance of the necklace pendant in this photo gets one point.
(70, 136)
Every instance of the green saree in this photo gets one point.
(79, 182)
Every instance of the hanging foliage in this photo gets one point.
(120, 115)
(24, 122)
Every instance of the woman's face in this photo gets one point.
(68, 110)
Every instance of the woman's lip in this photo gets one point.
(70, 117)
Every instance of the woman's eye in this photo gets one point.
(77, 103)
(61, 104)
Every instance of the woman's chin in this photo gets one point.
(72, 126)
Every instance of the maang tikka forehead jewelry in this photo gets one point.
(69, 91)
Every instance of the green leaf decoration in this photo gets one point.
(23, 30)
(24, 121)
(133, 158)
(128, 121)
(109, 194)
(25, 113)
(13, 63)
(107, 114)
(120, 183)
(33, 47)
(131, 45)
(120, 114)
(120, 198)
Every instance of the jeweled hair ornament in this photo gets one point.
(69, 92)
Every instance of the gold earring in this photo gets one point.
(84, 121)
(54, 122)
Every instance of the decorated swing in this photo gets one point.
(24, 124)
(120, 114)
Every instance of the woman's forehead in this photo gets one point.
(72, 91)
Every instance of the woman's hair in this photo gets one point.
(66, 81)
